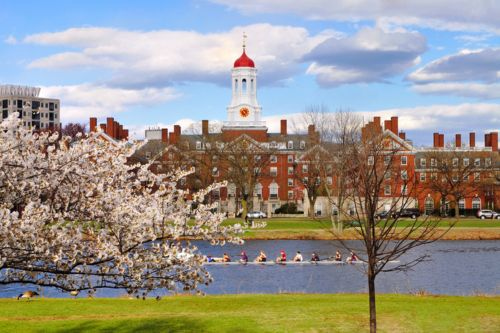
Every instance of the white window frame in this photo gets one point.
(273, 159)
(387, 190)
(404, 160)
(466, 161)
(273, 171)
(290, 182)
(423, 162)
(290, 158)
(290, 145)
(422, 176)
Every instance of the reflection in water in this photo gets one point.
(455, 268)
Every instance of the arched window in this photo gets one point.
(258, 190)
(244, 86)
(236, 85)
(476, 203)
(429, 206)
(273, 191)
(252, 86)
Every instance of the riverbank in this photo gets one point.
(254, 313)
(309, 229)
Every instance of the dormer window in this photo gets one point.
(290, 144)
(302, 144)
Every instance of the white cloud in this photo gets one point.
(79, 102)
(10, 40)
(454, 15)
(476, 90)
(371, 55)
(160, 57)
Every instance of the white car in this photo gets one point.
(256, 215)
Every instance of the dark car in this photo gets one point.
(382, 215)
(408, 212)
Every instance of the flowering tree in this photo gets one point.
(74, 215)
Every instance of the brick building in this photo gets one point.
(266, 170)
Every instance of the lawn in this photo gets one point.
(253, 313)
(305, 228)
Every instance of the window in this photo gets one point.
(273, 171)
(318, 180)
(257, 190)
(423, 162)
(433, 162)
(329, 168)
(290, 170)
(434, 176)
(273, 144)
(273, 191)
(477, 162)
(302, 144)
(466, 177)
(198, 145)
(404, 174)
(387, 160)
(429, 206)
(476, 203)
(387, 174)
(215, 172)
(387, 190)
(461, 204)
(290, 144)
(236, 84)
(305, 168)
(477, 176)
(244, 85)
(290, 158)
(148, 154)
(455, 162)
(290, 195)
(422, 176)
(487, 161)
(257, 158)
(404, 160)
(329, 180)
(290, 181)
(454, 177)
(256, 171)
(371, 160)
(273, 159)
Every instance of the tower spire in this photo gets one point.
(244, 40)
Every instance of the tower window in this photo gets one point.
(235, 84)
(244, 85)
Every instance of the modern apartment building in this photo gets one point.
(35, 112)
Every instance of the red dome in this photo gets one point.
(244, 61)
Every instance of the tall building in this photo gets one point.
(35, 112)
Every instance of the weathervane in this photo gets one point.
(244, 40)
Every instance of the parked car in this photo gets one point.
(256, 215)
(408, 212)
(382, 215)
(487, 214)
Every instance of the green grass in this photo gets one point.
(253, 313)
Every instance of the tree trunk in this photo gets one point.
(244, 207)
(457, 210)
(312, 213)
(371, 295)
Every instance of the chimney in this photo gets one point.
(402, 135)
(441, 140)
(115, 129)
(110, 127)
(472, 139)
(310, 130)
(172, 138)
(120, 132)
(487, 140)
(494, 141)
(436, 140)
(125, 134)
(204, 127)
(164, 135)
(177, 131)
(103, 127)
(376, 121)
(394, 125)
(458, 140)
(387, 125)
(93, 124)
(283, 127)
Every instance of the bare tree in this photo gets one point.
(371, 165)
(457, 174)
(72, 129)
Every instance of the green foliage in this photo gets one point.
(288, 208)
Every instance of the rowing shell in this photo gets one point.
(269, 263)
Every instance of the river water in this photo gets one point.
(454, 268)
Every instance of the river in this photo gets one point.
(454, 268)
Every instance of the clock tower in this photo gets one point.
(244, 110)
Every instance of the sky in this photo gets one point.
(435, 64)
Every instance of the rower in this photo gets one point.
(338, 256)
(352, 257)
(315, 257)
(226, 258)
(282, 257)
(298, 257)
(244, 257)
(261, 257)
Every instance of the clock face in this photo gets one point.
(244, 112)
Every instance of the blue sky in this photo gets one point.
(435, 64)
